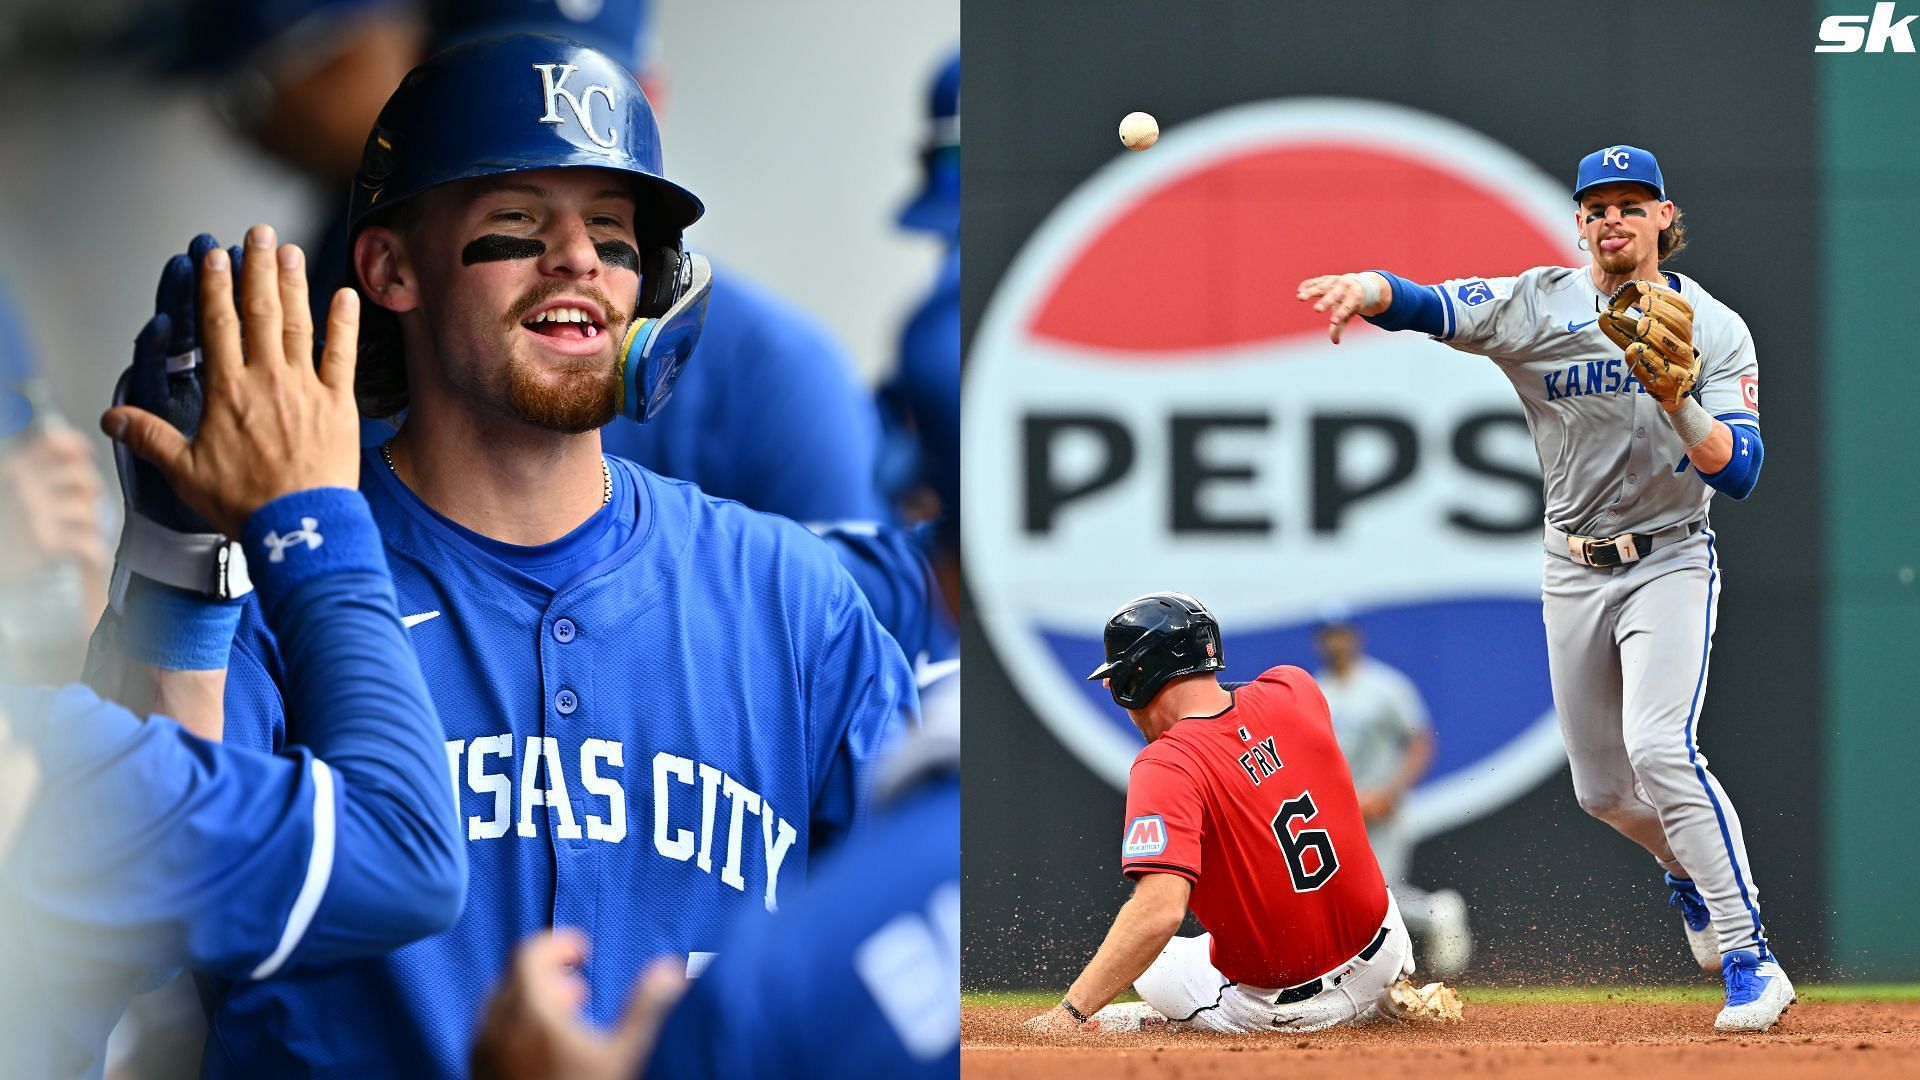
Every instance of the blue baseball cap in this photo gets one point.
(1618, 165)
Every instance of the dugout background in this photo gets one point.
(1799, 206)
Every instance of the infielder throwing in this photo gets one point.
(1241, 807)
(1632, 448)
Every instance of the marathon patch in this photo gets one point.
(1750, 393)
(1145, 836)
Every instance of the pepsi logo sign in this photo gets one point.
(1148, 408)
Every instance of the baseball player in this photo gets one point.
(1241, 808)
(1385, 734)
(657, 705)
(1632, 448)
(136, 846)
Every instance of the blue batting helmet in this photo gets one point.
(516, 103)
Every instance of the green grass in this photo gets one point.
(1546, 995)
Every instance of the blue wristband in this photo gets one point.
(306, 534)
(176, 630)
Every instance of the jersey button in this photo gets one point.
(566, 702)
(563, 630)
(1632, 478)
(1639, 433)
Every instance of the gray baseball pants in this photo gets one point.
(1627, 647)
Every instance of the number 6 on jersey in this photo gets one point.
(1295, 845)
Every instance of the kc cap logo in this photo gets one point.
(554, 91)
(1616, 157)
(308, 533)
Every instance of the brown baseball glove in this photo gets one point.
(1658, 340)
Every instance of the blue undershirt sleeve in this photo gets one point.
(1742, 470)
(1413, 307)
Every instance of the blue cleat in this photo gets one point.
(1693, 912)
(1758, 992)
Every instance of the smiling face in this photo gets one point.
(1621, 224)
(526, 284)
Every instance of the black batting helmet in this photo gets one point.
(1154, 640)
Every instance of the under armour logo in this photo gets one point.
(1615, 157)
(555, 91)
(308, 533)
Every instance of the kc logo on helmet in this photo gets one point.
(1615, 157)
(1148, 408)
(555, 91)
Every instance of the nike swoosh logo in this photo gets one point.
(926, 674)
(1574, 328)
(411, 621)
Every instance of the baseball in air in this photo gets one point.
(1139, 131)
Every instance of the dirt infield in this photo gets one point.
(1872, 1039)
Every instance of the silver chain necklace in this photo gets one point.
(606, 474)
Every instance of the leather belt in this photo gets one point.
(1610, 551)
(1305, 990)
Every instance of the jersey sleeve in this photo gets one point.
(860, 697)
(892, 574)
(1489, 316)
(1166, 818)
(1729, 383)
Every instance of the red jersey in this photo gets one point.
(1255, 806)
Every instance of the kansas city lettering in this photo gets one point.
(1592, 377)
(700, 814)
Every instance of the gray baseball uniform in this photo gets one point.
(1627, 645)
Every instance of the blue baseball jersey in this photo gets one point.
(768, 411)
(651, 725)
(860, 977)
(890, 566)
(145, 847)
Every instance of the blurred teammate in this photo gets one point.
(129, 847)
(1240, 807)
(657, 705)
(921, 400)
(1387, 739)
(53, 549)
